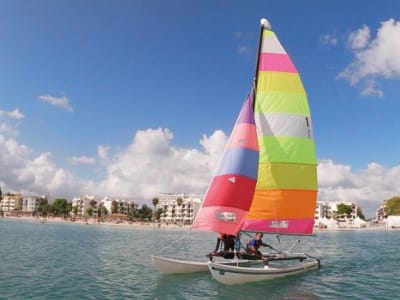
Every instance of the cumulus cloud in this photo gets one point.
(151, 163)
(367, 187)
(61, 102)
(374, 58)
(15, 114)
(9, 122)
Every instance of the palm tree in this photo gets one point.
(179, 201)
(155, 202)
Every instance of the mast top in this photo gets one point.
(265, 23)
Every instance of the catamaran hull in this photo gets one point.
(167, 265)
(174, 266)
(228, 274)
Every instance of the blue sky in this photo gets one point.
(132, 98)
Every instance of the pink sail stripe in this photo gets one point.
(244, 135)
(276, 62)
(220, 219)
(290, 226)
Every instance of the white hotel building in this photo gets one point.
(180, 214)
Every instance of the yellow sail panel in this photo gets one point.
(275, 176)
(276, 81)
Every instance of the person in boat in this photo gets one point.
(228, 242)
(254, 244)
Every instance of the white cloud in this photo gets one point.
(62, 102)
(329, 39)
(15, 114)
(359, 39)
(367, 187)
(374, 58)
(75, 160)
(242, 49)
(151, 164)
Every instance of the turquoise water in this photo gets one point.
(75, 261)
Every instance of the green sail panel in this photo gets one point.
(275, 176)
(287, 149)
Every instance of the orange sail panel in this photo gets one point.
(231, 191)
(286, 191)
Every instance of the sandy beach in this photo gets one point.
(94, 221)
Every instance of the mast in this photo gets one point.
(263, 24)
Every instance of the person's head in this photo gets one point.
(221, 235)
(259, 235)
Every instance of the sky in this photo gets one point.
(132, 98)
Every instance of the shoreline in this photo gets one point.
(151, 225)
(92, 221)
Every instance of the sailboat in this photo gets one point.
(267, 178)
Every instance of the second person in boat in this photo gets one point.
(228, 242)
(254, 244)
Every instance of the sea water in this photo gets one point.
(77, 261)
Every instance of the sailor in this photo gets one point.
(228, 242)
(254, 244)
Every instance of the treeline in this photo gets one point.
(61, 208)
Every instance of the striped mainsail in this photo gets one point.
(286, 191)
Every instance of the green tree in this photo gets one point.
(145, 212)
(44, 207)
(114, 207)
(102, 210)
(360, 213)
(1, 194)
(393, 206)
(60, 207)
(344, 209)
(89, 211)
(155, 202)
(179, 201)
(158, 213)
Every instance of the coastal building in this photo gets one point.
(178, 208)
(118, 206)
(380, 214)
(81, 204)
(11, 202)
(31, 204)
(327, 216)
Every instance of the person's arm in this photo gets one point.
(218, 244)
(266, 245)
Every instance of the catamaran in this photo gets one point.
(267, 177)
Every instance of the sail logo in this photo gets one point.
(232, 179)
(225, 216)
(279, 224)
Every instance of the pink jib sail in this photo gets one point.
(231, 190)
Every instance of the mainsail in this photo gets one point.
(230, 193)
(286, 191)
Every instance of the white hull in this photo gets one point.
(228, 274)
(167, 265)
(174, 266)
